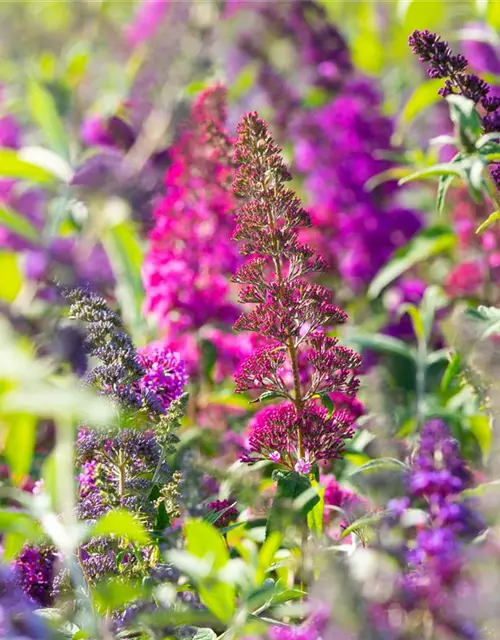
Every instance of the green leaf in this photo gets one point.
(20, 445)
(493, 217)
(430, 242)
(443, 185)
(386, 345)
(202, 540)
(442, 169)
(481, 428)
(121, 524)
(12, 166)
(316, 514)
(18, 528)
(360, 525)
(220, 599)
(266, 554)
(379, 464)
(463, 114)
(395, 173)
(18, 224)
(44, 111)
(11, 281)
(452, 370)
(416, 319)
(424, 96)
(125, 254)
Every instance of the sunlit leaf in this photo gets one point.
(11, 281)
(202, 539)
(481, 428)
(123, 524)
(20, 445)
(493, 217)
(12, 166)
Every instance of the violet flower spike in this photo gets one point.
(291, 313)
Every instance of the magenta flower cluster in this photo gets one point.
(186, 270)
(290, 312)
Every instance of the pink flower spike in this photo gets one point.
(275, 456)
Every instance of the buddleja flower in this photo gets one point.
(290, 312)
(442, 63)
(435, 571)
(185, 271)
(337, 144)
(123, 467)
(148, 380)
(34, 569)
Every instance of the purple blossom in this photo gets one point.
(34, 568)
(165, 374)
(185, 272)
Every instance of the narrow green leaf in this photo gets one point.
(44, 111)
(481, 428)
(11, 281)
(19, 224)
(395, 173)
(430, 242)
(443, 186)
(452, 370)
(360, 525)
(493, 217)
(316, 514)
(12, 166)
(125, 254)
(379, 464)
(20, 445)
(442, 169)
